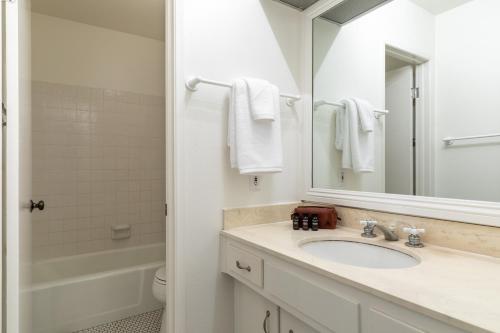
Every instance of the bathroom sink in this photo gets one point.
(359, 254)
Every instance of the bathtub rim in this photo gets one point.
(95, 275)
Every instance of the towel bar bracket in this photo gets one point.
(192, 83)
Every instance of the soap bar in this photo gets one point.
(327, 215)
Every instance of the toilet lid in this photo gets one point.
(160, 275)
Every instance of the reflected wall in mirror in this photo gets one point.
(432, 65)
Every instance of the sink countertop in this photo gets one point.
(455, 287)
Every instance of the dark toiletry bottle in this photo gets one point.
(315, 222)
(305, 222)
(296, 221)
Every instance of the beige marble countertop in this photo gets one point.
(455, 287)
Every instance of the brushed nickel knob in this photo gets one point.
(39, 205)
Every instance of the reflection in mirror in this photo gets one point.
(406, 100)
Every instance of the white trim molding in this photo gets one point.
(468, 211)
(175, 307)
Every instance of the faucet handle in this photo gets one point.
(368, 226)
(368, 223)
(414, 239)
(413, 231)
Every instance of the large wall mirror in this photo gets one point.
(406, 98)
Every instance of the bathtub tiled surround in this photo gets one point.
(98, 161)
(460, 236)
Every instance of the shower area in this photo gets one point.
(98, 165)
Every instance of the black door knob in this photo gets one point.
(40, 205)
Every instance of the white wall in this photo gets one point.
(223, 40)
(350, 62)
(467, 100)
(83, 55)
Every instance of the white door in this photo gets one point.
(399, 131)
(253, 313)
(17, 172)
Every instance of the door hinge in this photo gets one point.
(4, 115)
(415, 93)
(166, 210)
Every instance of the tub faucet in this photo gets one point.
(369, 227)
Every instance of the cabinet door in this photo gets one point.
(253, 313)
(290, 324)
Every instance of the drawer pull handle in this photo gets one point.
(266, 320)
(290, 331)
(246, 268)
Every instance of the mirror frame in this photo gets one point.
(468, 211)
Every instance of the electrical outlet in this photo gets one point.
(341, 177)
(254, 183)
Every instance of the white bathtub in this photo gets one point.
(82, 291)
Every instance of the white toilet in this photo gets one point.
(159, 292)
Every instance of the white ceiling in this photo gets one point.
(439, 6)
(139, 17)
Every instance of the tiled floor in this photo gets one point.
(148, 322)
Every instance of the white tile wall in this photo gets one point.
(98, 160)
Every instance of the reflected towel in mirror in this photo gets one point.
(355, 135)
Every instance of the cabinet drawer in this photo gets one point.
(244, 264)
(380, 322)
(384, 317)
(290, 324)
(324, 305)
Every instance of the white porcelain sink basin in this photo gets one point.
(359, 254)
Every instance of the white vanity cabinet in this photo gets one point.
(254, 313)
(285, 297)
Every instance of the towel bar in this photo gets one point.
(449, 140)
(378, 112)
(192, 83)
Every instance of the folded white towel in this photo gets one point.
(262, 96)
(354, 137)
(340, 118)
(254, 145)
(365, 114)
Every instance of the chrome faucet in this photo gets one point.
(369, 228)
(389, 233)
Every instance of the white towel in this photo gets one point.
(355, 136)
(262, 96)
(254, 145)
(340, 117)
(365, 114)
